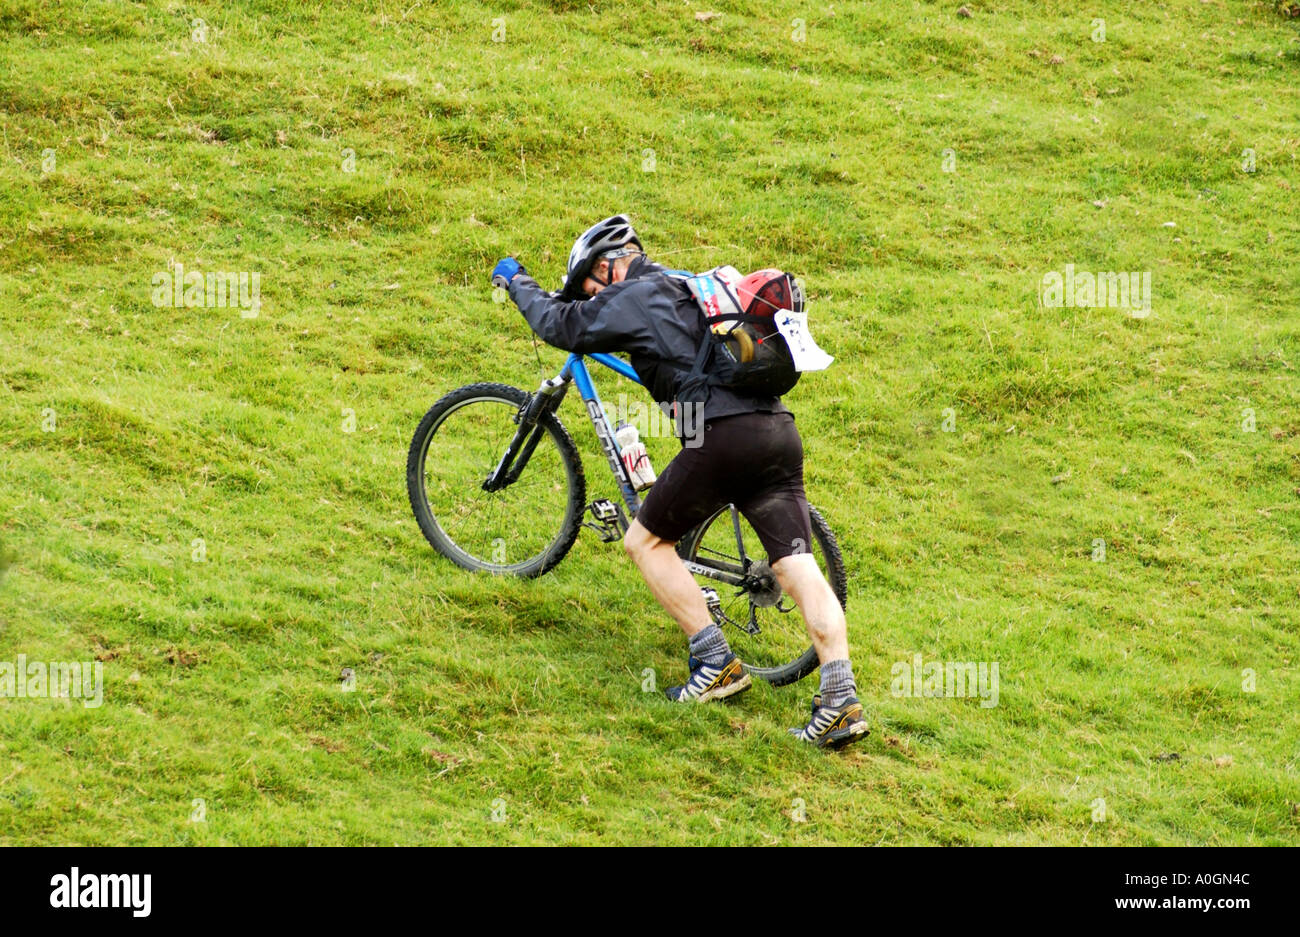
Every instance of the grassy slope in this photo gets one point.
(822, 156)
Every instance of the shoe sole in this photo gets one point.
(731, 689)
(838, 738)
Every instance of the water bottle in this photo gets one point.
(635, 458)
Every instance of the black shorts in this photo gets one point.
(751, 460)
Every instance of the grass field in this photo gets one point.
(1103, 501)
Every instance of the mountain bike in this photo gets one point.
(497, 485)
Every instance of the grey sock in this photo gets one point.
(710, 646)
(837, 683)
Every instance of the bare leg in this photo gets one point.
(824, 618)
(674, 588)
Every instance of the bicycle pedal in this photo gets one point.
(608, 517)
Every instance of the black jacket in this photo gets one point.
(650, 314)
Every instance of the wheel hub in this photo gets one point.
(764, 590)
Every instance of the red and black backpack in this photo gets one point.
(743, 349)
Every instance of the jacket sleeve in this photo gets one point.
(583, 326)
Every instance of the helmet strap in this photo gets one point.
(609, 264)
(609, 259)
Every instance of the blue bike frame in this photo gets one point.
(548, 399)
(575, 369)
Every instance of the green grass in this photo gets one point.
(825, 157)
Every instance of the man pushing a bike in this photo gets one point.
(750, 455)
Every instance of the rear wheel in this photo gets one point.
(762, 624)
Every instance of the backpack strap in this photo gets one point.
(696, 380)
(739, 317)
(702, 355)
(699, 370)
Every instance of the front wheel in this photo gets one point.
(525, 527)
(762, 624)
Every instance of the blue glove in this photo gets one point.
(505, 271)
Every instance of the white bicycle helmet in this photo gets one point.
(603, 237)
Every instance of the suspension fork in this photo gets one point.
(529, 434)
